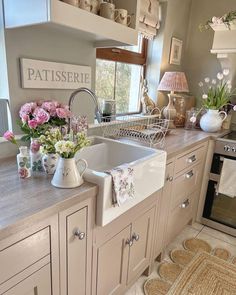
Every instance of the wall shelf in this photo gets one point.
(96, 29)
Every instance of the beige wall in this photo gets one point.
(46, 44)
(198, 61)
(175, 21)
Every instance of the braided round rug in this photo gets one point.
(195, 270)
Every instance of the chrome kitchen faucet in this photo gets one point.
(98, 113)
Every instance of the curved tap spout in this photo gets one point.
(98, 113)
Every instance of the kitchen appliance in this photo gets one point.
(219, 209)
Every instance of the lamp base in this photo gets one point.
(169, 111)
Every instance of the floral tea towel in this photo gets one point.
(123, 184)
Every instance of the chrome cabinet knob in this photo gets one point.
(192, 159)
(170, 178)
(189, 174)
(135, 237)
(79, 234)
(129, 242)
(185, 204)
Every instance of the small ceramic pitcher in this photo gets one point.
(212, 120)
(67, 174)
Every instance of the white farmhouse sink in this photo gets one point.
(105, 154)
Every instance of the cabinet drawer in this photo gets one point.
(24, 253)
(38, 283)
(185, 184)
(180, 216)
(189, 159)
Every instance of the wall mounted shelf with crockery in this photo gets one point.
(85, 25)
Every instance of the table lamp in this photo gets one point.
(173, 82)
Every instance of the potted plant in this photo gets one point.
(216, 94)
(225, 22)
(67, 174)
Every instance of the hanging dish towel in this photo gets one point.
(227, 185)
(123, 184)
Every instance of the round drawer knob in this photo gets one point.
(169, 178)
(135, 237)
(79, 234)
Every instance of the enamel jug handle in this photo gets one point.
(225, 115)
(82, 167)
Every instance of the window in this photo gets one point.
(119, 73)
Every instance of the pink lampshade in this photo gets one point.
(174, 81)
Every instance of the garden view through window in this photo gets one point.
(119, 73)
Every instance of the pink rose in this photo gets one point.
(25, 118)
(50, 107)
(41, 116)
(33, 123)
(8, 135)
(27, 109)
(63, 113)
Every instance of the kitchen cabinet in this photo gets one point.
(38, 283)
(164, 203)
(75, 227)
(112, 263)
(141, 237)
(125, 254)
(83, 24)
(31, 261)
(181, 192)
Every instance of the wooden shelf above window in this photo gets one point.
(101, 31)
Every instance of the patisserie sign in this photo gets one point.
(52, 75)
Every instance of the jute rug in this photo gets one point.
(196, 270)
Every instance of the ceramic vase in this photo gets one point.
(23, 162)
(36, 156)
(212, 120)
(68, 174)
(50, 163)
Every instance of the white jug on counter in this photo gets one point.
(67, 174)
(212, 120)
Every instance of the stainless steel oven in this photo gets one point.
(219, 209)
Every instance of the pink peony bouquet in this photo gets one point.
(37, 117)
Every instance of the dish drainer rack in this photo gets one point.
(149, 129)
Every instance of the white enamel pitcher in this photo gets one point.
(69, 173)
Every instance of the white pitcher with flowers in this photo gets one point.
(216, 94)
(69, 172)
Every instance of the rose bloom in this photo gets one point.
(63, 113)
(50, 107)
(41, 116)
(8, 135)
(27, 109)
(33, 124)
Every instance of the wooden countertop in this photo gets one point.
(180, 140)
(24, 201)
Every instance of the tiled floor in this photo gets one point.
(213, 237)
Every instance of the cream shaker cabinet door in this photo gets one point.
(76, 236)
(38, 283)
(140, 251)
(161, 222)
(112, 264)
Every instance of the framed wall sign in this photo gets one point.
(51, 75)
(176, 51)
